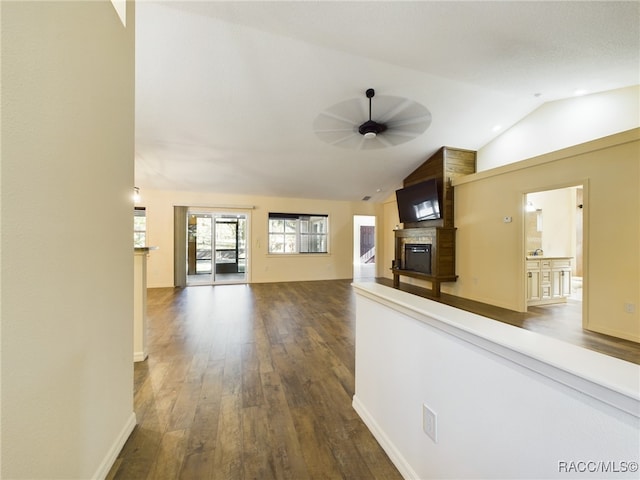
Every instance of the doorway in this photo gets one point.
(216, 247)
(554, 230)
(364, 247)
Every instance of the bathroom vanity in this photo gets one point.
(548, 279)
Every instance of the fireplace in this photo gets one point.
(417, 257)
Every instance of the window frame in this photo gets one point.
(294, 238)
(139, 212)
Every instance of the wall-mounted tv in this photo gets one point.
(419, 202)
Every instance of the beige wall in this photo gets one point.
(67, 259)
(490, 253)
(262, 266)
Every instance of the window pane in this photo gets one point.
(226, 256)
(317, 243)
(203, 233)
(139, 223)
(290, 226)
(225, 235)
(276, 225)
(313, 238)
(276, 243)
(139, 239)
(290, 244)
(318, 224)
(304, 243)
(139, 228)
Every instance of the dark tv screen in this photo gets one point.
(419, 202)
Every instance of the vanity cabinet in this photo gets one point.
(548, 280)
(533, 282)
(561, 278)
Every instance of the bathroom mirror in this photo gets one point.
(533, 230)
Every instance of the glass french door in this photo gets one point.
(216, 248)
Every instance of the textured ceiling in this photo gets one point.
(227, 92)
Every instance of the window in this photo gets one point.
(139, 227)
(298, 233)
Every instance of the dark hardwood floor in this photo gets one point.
(561, 321)
(256, 382)
(250, 382)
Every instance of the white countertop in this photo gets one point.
(144, 249)
(593, 373)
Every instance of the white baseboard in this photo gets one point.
(112, 454)
(387, 445)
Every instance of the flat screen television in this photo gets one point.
(419, 202)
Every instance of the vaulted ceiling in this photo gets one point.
(227, 93)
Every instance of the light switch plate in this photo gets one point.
(429, 422)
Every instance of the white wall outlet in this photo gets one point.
(429, 423)
(629, 307)
(507, 219)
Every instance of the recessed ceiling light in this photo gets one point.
(580, 92)
(497, 128)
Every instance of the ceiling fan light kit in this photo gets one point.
(371, 129)
(402, 120)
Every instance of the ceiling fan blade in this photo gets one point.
(335, 138)
(395, 107)
(326, 121)
(405, 109)
(332, 130)
(354, 111)
(353, 141)
(393, 138)
(410, 129)
(400, 133)
(385, 141)
(409, 121)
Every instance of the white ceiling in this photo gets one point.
(227, 92)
